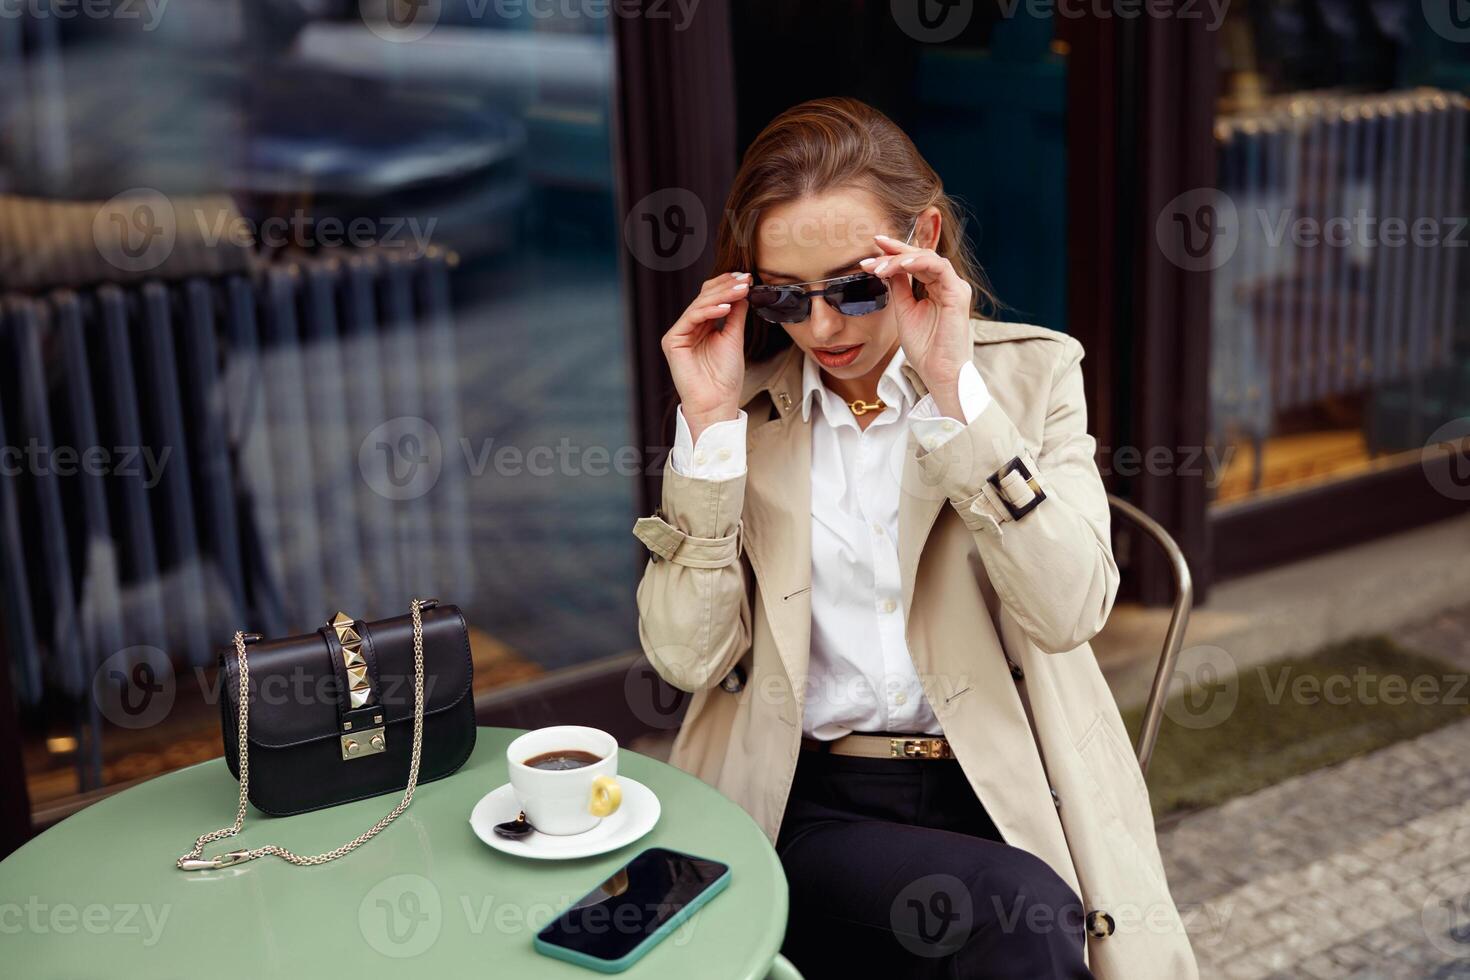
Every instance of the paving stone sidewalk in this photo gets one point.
(1356, 872)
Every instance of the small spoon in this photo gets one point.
(515, 829)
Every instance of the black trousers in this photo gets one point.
(896, 870)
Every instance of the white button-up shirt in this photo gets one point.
(861, 676)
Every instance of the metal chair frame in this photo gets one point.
(1153, 712)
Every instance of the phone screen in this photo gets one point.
(615, 917)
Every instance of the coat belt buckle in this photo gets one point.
(917, 748)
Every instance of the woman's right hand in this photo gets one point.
(706, 352)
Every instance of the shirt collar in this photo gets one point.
(893, 386)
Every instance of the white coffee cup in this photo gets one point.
(565, 801)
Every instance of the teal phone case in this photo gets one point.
(638, 952)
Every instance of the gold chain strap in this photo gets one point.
(193, 860)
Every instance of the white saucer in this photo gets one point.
(636, 817)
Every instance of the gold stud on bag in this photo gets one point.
(359, 688)
(365, 741)
(355, 728)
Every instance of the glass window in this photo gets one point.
(318, 308)
(1339, 331)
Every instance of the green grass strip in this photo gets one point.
(1293, 716)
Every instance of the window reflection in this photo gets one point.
(1338, 330)
(344, 292)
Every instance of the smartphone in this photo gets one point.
(613, 925)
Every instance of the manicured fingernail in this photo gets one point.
(741, 275)
(885, 238)
(867, 262)
(722, 306)
(880, 268)
(740, 285)
(905, 262)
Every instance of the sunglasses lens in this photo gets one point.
(780, 304)
(862, 295)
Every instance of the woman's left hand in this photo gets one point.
(935, 330)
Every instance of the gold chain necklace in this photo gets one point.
(860, 407)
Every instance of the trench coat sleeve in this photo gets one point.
(693, 601)
(1053, 566)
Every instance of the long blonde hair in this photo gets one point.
(825, 144)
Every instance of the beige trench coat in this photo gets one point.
(999, 612)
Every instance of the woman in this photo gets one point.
(882, 548)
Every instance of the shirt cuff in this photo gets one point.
(720, 454)
(934, 430)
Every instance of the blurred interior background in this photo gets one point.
(326, 414)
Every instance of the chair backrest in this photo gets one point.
(1153, 712)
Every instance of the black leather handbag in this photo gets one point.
(351, 711)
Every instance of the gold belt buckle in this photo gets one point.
(917, 748)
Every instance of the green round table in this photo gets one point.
(98, 894)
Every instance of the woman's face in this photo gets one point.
(820, 237)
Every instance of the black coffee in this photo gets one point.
(562, 759)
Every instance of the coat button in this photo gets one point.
(1100, 925)
(734, 681)
(1017, 673)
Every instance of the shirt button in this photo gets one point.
(900, 698)
(878, 529)
(699, 456)
(949, 426)
(888, 605)
(724, 454)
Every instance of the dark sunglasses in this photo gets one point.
(855, 295)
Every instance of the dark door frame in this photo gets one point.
(1140, 110)
(1169, 86)
(1094, 114)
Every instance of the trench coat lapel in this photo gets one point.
(778, 535)
(919, 504)
(778, 518)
